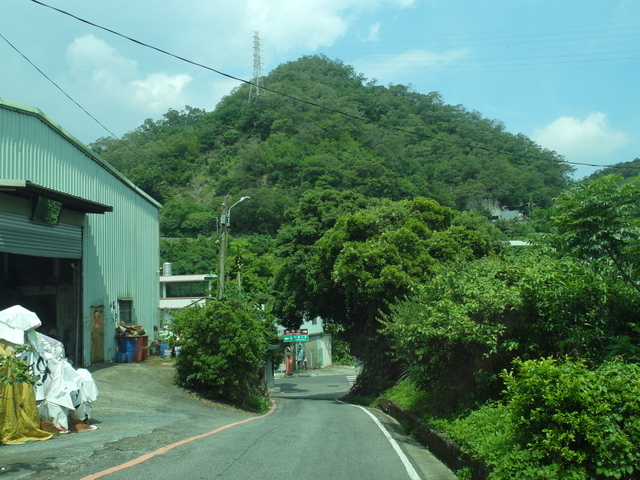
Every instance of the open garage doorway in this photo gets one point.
(50, 287)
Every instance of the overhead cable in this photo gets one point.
(69, 96)
(55, 84)
(297, 99)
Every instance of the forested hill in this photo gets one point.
(346, 134)
(626, 170)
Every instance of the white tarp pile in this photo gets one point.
(62, 391)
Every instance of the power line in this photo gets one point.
(615, 43)
(56, 85)
(297, 99)
(69, 96)
(143, 44)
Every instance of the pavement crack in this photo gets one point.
(242, 453)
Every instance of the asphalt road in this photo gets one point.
(142, 417)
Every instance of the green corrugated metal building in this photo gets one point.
(79, 243)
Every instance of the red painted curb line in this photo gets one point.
(165, 449)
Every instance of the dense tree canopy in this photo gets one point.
(598, 222)
(369, 207)
(351, 270)
(345, 134)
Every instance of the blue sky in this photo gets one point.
(563, 73)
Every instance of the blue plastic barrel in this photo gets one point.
(127, 345)
(121, 357)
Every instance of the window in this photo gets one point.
(45, 210)
(126, 311)
(187, 289)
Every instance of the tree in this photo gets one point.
(393, 143)
(224, 346)
(298, 284)
(598, 222)
(190, 256)
(368, 260)
(472, 319)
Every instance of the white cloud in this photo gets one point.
(88, 55)
(577, 138)
(313, 23)
(374, 30)
(158, 90)
(104, 74)
(407, 64)
(102, 68)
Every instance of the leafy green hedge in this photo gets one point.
(224, 347)
(560, 420)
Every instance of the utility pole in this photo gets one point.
(224, 233)
(225, 223)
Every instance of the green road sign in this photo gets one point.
(296, 338)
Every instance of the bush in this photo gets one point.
(560, 420)
(409, 396)
(584, 420)
(483, 433)
(340, 354)
(223, 352)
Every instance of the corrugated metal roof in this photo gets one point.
(36, 112)
(25, 189)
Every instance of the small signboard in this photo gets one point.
(300, 331)
(299, 335)
(296, 338)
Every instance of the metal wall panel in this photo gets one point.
(120, 248)
(18, 235)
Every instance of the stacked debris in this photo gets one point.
(124, 330)
(61, 392)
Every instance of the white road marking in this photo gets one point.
(413, 475)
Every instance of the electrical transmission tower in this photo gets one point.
(256, 81)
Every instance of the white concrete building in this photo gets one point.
(182, 291)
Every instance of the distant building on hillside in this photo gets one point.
(517, 212)
(181, 291)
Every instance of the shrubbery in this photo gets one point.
(560, 420)
(471, 321)
(223, 352)
(575, 296)
(409, 396)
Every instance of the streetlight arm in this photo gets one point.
(242, 199)
(228, 216)
(225, 221)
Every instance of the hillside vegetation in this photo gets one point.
(346, 134)
(369, 208)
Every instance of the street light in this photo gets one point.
(229, 212)
(225, 223)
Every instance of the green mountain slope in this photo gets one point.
(625, 169)
(330, 129)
